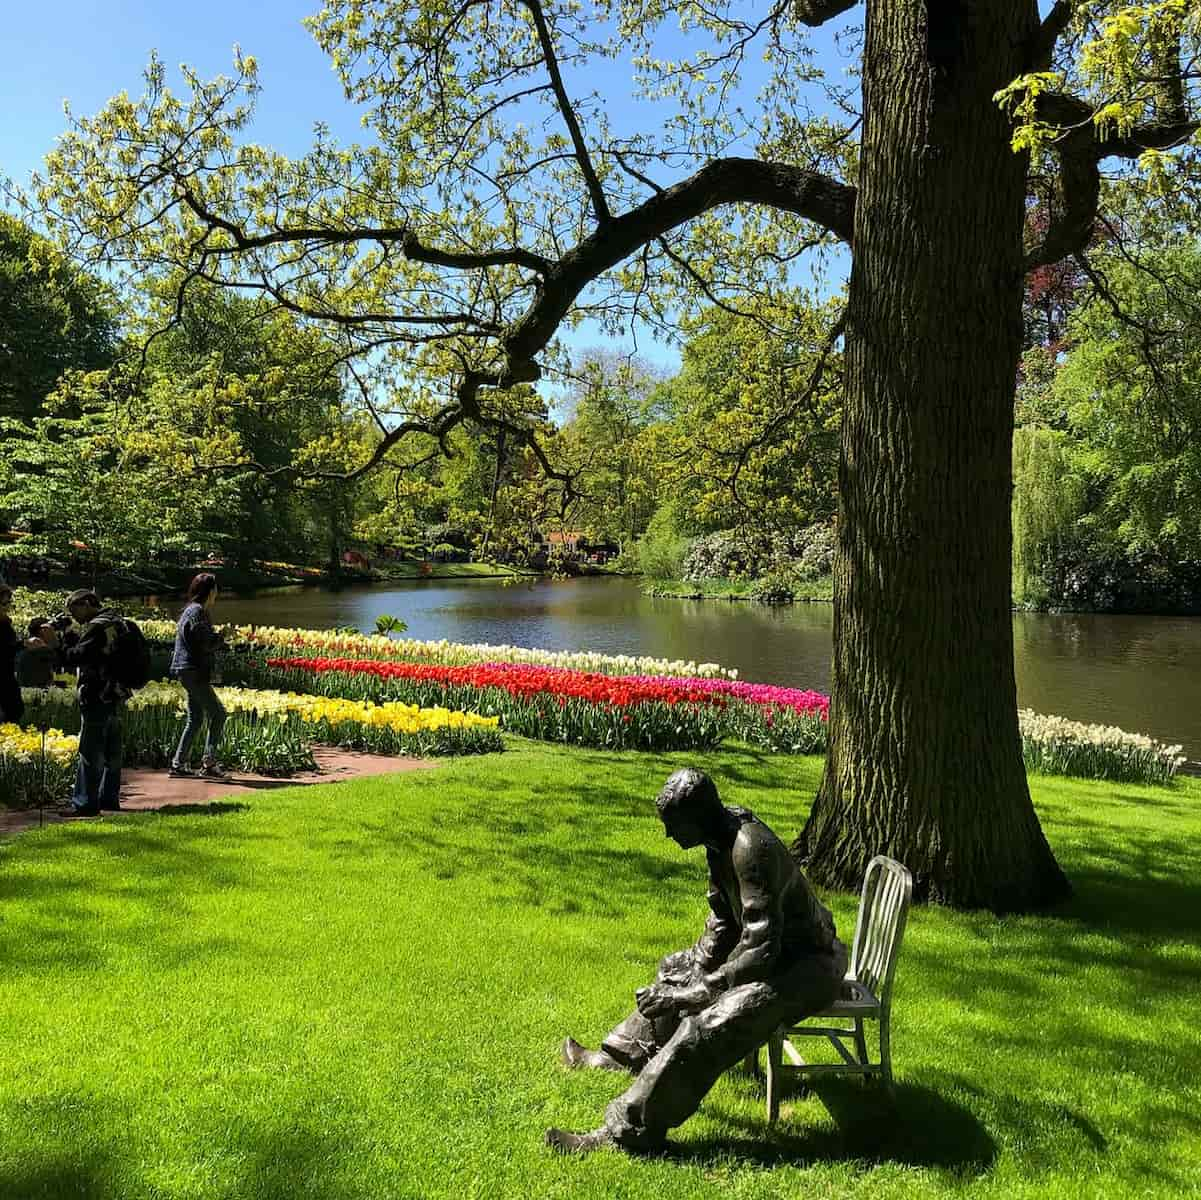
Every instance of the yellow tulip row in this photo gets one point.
(25, 745)
(403, 718)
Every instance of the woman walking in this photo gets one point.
(196, 646)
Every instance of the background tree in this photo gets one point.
(751, 436)
(53, 318)
(285, 397)
(110, 482)
(456, 246)
(610, 404)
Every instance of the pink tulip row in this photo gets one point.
(765, 694)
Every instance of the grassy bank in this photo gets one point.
(467, 570)
(736, 589)
(359, 991)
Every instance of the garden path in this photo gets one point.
(146, 790)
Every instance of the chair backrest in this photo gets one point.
(883, 908)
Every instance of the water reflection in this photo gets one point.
(1136, 672)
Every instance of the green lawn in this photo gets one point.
(451, 570)
(733, 589)
(359, 991)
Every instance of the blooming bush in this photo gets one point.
(1056, 746)
(728, 554)
(813, 551)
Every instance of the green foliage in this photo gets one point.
(1131, 385)
(1125, 58)
(385, 623)
(611, 406)
(53, 319)
(1048, 500)
(662, 549)
(102, 478)
(751, 431)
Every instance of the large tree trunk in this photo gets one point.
(925, 760)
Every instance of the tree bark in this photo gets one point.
(925, 758)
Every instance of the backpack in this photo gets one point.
(128, 662)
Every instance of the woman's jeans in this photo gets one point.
(202, 702)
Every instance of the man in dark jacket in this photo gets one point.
(101, 704)
(768, 955)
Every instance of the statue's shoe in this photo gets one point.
(575, 1055)
(562, 1141)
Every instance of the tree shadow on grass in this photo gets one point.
(215, 808)
(55, 1174)
(297, 1164)
(919, 1127)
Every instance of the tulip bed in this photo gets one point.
(32, 770)
(582, 708)
(267, 731)
(655, 712)
(1057, 746)
(333, 643)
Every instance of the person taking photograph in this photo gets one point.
(93, 654)
(38, 662)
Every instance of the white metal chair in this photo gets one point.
(866, 990)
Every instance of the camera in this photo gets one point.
(62, 622)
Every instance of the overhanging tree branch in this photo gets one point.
(595, 191)
(412, 246)
(1081, 150)
(1053, 27)
(818, 12)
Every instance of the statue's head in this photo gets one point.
(690, 807)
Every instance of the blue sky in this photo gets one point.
(85, 51)
(88, 51)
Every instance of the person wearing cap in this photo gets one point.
(101, 706)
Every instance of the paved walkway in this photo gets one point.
(146, 790)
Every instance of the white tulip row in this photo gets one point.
(1052, 743)
(326, 643)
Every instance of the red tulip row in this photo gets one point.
(520, 680)
(550, 703)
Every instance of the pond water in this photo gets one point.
(1141, 673)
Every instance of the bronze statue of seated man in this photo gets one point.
(768, 955)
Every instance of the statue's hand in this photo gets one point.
(659, 1000)
(691, 999)
(655, 1001)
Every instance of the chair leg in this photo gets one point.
(886, 1052)
(775, 1075)
(750, 1065)
(861, 1045)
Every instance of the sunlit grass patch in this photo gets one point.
(359, 991)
